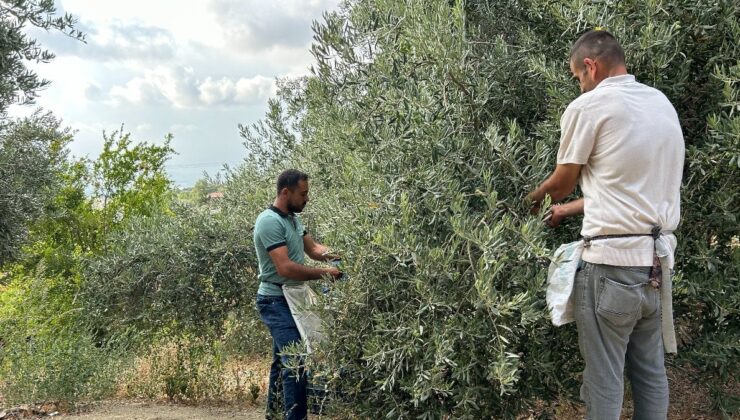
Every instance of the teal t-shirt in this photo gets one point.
(274, 229)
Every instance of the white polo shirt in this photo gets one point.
(629, 141)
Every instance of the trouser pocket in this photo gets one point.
(619, 303)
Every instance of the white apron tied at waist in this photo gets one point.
(562, 272)
(665, 254)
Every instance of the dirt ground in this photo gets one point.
(127, 410)
(689, 400)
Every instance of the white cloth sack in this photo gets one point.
(300, 299)
(560, 278)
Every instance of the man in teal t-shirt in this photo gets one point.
(281, 242)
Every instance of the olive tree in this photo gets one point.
(424, 124)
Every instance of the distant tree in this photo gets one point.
(128, 178)
(31, 150)
(199, 193)
(32, 158)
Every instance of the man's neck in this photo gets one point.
(617, 71)
(280, 205)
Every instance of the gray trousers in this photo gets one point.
(618, 319)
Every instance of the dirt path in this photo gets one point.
(126, 410)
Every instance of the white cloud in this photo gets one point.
(256, 25)
(180, 88)
(173, 86)
(130, 41)
(226, 91)
(216, 91)
(137, 91)
(254, 90)
(113, 41)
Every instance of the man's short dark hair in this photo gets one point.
(597, 44)
(290, 179)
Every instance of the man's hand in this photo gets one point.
(334, 273)
(329, 256)
(554, 216)
(559, 212)
(534, 205)
(317, 251)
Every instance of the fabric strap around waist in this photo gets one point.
(655, 233)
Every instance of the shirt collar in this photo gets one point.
(617, 80)
(280, 212)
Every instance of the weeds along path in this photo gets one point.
(125, 410)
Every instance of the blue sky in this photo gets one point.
(194, 68)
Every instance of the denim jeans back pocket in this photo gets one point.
(619, 303)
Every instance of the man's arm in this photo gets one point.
(317, 251)
(294, 271)
(559, 185)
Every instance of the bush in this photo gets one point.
(65, 367)
(182, 272)
(47, 353)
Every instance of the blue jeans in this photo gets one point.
(275, 313)
(618, 317)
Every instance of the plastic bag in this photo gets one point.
(300, 299)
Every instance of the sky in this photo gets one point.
(195, 69)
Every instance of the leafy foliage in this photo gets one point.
(424, 125)
(46, 354)
(181, 272)
(18, 84)
(32, 158)
(128, 178)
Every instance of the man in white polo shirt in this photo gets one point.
(622, 141)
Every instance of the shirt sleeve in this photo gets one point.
(577, 136)
(271, 234)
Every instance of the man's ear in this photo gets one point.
(592, 67)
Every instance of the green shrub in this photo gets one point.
(64, 366)
(184, 272)
(47, 353)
